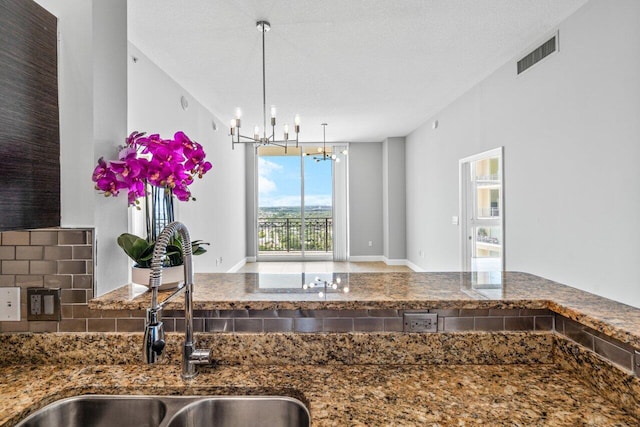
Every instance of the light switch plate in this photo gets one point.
(10, 304)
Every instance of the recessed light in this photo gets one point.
(434, 125)
(184, 103)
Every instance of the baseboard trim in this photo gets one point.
(238, 266)
(395, 261)
(414, 267)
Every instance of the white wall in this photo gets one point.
(218, 214)
(570, 130)
(93, 109)
(365, 199)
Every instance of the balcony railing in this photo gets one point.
(284, 234)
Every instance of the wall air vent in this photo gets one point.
(538, 54)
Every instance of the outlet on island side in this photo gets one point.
(420, 322)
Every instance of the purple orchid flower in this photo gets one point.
(149, 159)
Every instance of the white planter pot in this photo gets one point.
(172, 277)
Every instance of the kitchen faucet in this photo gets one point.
(154, 342)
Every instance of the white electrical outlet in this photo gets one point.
(10, 304)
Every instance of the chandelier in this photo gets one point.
(257, 138)
(323, 154)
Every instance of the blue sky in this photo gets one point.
(279, 181)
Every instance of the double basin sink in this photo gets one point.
(171, 411)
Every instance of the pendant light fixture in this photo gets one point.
(259, 138)
(323, 154)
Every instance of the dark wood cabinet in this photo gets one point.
(29, 117)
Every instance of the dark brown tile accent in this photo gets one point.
(543, 323)
(383, 313)
(7, 280)
(72, 267)
(221, 325)
(29, 281)
(248, 325)
(21, 326)
(353, 313)
(138, 313)
(489, 323)
(173, 313)
(234, 313)
(559, 323)
(202, 313)
(198, 325)
(43, 326)
(338, 325)
(169, 325)
(57, 252)
(29, 252)
(7, 252)
(82, 252)
(445, 313)
(72, 237)
(15, 238)
(518, 323)
(130, 325)
(368, 324)
(576, 332)
(43, 267)
(393, 324)
(613, 353)
(452, 324)
(263, 313)
(473, 313)
(82, 281)
(120, 314)
(82, 311)
(290, 313)
(636, 362)
(535, 312)
(101, 325)
(15, 267)
(74, 296)
(58, 281)
(44, 238)
(504, 312)
(72, 325)
(66, 311)
(307, 324)
(278, 325)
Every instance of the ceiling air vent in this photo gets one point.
(538, 54)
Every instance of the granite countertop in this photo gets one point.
(402, 291)
(345, 395)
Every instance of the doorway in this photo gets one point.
(482, 212)
(295, 205)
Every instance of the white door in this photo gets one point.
(482, 213)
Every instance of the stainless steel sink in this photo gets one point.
(171, 411)
(242, 411)
(100, 411)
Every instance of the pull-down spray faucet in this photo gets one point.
(154, 341)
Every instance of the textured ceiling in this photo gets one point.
(371, 69)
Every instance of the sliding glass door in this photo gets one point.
(295, 210)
